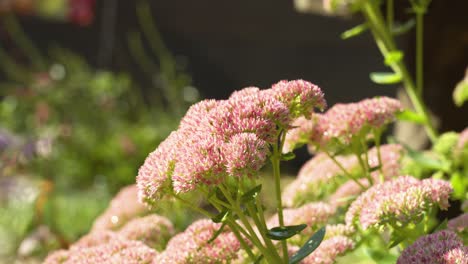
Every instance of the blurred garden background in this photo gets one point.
(89, 87)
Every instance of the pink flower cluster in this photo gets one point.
(193, 246)
(219, 139)
(401, 200)
(341, 123)
(123, 207)
(136, 242)
(116, 251)
(459, 224)
(328, 250)
(443, 247)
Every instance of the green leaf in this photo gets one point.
(217, 233)
(288, 156)
(385, 77)
(309, 247)
(408, 115)
(251, 194)
(399, 29)
(393, 57)
(441, 226)
(459, 184)
(396, 239)
(221, 217)
(460, 94)
(357, 30)
(427, 162)
(285, 232)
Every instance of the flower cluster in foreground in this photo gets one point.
(225, 138)
(443, 247)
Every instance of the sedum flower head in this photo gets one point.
(443, 247)
(116, 251)
(226, 138)
(300, 96)
(153, 230)
(245, 154)
(342, 122)
(123, 207)
(193, 246)
(401, 200)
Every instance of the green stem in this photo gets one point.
(254, 238)
(259, 220)
(377, 135)
(275, 162)
(193, 207)
(419, 52)
(390, 14)
(347, 174)
(386, 44)
(234, 227)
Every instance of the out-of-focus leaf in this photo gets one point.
(385, 77)
(288, 156)
(460, 94)
(399, 29)
(408, 115)
(393, 57)
(355, 31)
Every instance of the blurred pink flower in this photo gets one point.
(123, 207)
(443, 247)
(116, 251)
(458, 224)
(401, 200)
(192, 245)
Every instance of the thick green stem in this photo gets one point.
(275, 162)
(390, 14)
(268, 254)
(386, 44)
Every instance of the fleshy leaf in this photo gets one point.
(385, 77)
(221, 217)
(217, 233)
(251, 194)
(403, 28)
(408, 115)
(352, 32)
(460, 94)
(285, 232)
(313, 243)
(393, 57)
(288, 156)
